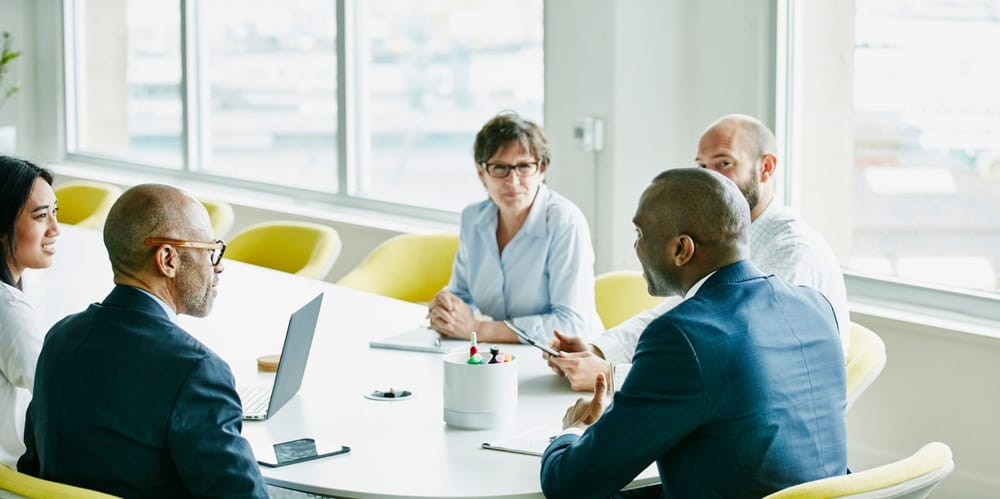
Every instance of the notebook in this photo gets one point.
(420, 339)
(532, 442)
(262, 401)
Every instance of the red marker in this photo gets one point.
(473, 348)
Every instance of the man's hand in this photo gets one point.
(583, 413)
(580, 368)
(563, 343)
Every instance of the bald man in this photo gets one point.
(125, 401)
(726, 404)
(744, 150)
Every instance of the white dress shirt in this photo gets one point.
(780, 244)
(20, 342)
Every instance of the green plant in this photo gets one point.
(7, 56)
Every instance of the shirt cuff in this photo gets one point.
(572, 430)
(611, 347)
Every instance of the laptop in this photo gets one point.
(261, 402)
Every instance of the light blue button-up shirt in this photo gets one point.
(545, 278)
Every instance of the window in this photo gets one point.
(894, 118)
(378, 107)
(127, 95)
(926, 176)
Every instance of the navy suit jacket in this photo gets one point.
(126, 402)
(739, 391)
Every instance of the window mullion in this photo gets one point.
(193, 125)
(346, 153)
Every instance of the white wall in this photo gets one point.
(939, 384)
(659, 72)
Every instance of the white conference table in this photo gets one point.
(398, 448)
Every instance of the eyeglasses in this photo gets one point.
(499, 170)
(215, 248)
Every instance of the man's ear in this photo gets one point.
(768, 164)
(167, 260)
(682, 250)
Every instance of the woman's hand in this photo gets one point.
(451, 316)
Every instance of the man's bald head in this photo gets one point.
(744, 150)
(690, 221)
(700, 203)
(151, 210)
(758, 138)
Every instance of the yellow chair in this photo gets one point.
(29, 487)
(221, 216)
(621, 294)
(865, 361)
(301, 248)
(912, 478)
(85, 204)
(408, 267)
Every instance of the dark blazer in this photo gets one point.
(738, 391)
(126, 402)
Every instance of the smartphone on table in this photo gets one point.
(296, 451)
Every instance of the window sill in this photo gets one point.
(255, 199)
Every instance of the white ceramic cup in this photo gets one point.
(479, 396)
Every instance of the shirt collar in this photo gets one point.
(694, 289)
(166, 308)
(534, 224)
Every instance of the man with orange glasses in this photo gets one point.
(126, 402)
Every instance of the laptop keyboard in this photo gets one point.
(255, 398)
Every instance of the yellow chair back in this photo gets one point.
(27, 486)
(221, 216)
(913, 477)
(410, 267)
(621, 294)
(85, 204)
(301, 248)
(864, 361)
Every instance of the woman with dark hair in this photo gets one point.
(524, 253)
(28, 232)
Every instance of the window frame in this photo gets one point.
(351, 123)
(863, 288)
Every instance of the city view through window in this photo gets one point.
(425, 76)
(926, 186)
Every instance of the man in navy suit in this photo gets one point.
(738, 391)
(125, 401)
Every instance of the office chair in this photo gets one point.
(221, 216)
(27, 486)
(913, 477)
(621, 294)
(865, 361)
(301, 248)
(85, 204)
(408, 267)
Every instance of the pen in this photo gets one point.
(474, 357)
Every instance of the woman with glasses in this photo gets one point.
(28, 233)
(524, 253)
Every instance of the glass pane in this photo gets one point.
(927, 158)
(270, 69)
(433, 72)
(128, 80)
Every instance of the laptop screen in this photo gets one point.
(294, 354)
